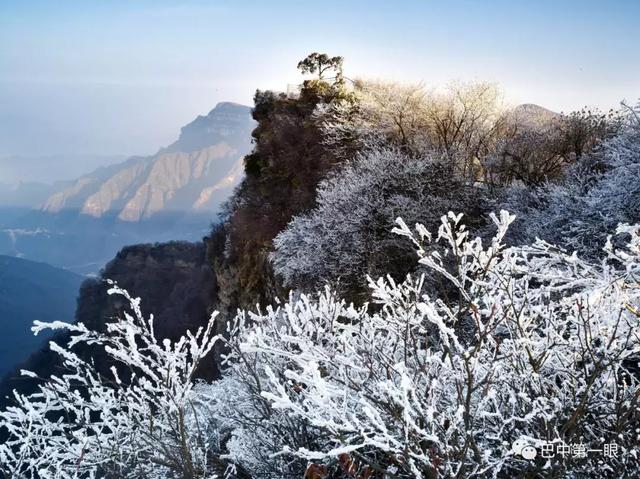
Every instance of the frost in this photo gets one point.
(537, 346)
(139, 420)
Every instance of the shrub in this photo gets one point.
(540, 347)
(141, 420)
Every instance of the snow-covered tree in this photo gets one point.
(142, 420)
(461, 123)
(534, 145)
(537, 348)
(348, 235)
(253, 433)
(597, 193)
(540, 347)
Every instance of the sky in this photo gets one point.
(107, 77)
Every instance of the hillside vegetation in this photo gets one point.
(407, 283)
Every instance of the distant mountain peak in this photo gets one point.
(231, 105)
(181, 177)
(224, 120)
(532, 115)
(532, 108)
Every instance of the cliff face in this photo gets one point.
(194, 173)
(76, 194)
(228, 122)
(287, 162)
(173, 279)
(175, 181)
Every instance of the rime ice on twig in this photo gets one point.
(538, 346)
(85, 423)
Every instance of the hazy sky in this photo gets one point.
(121, 77)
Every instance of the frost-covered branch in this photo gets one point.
(138, 420)
(539, 346)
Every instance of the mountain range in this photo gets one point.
(174, 194)
(195, 173)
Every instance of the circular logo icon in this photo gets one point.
(524, 449)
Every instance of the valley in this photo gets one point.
(173, 195)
